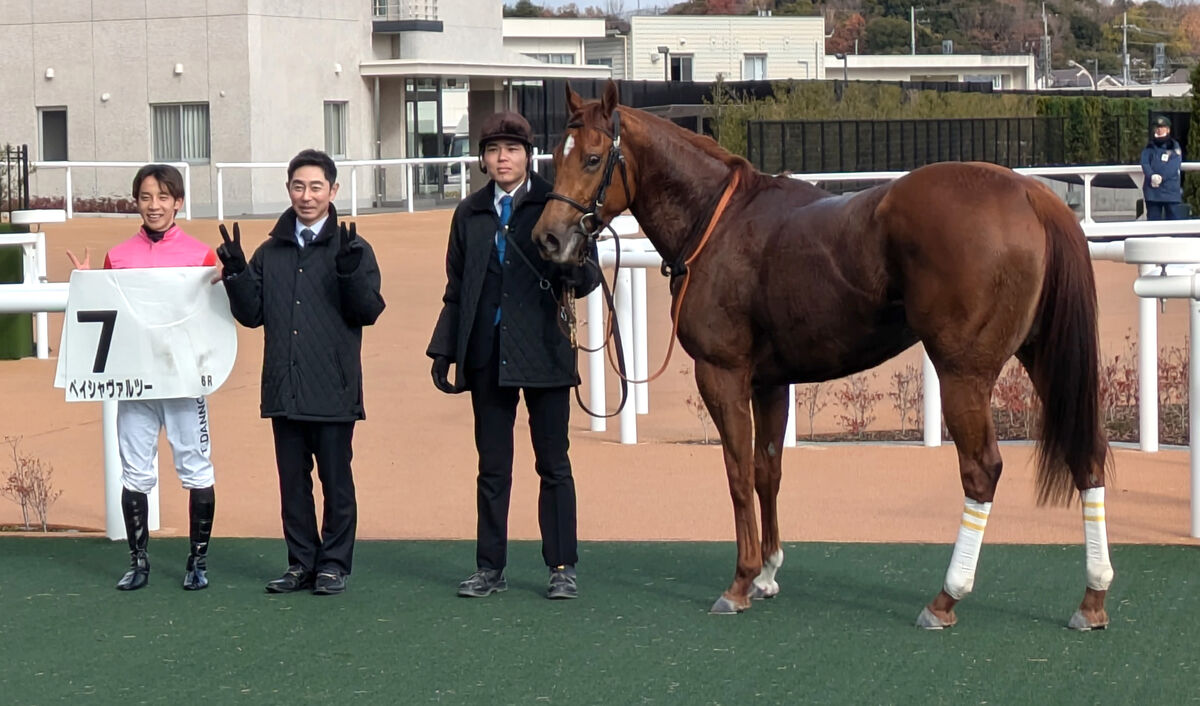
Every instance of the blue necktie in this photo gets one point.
(505, 215)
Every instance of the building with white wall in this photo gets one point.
(207, 81)
(1006, 72)
(703, 47)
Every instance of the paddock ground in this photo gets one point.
(415, 461)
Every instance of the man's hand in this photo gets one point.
(350, 250)
(441, 374)
(1155, 180)
(85, 263)
(233, 260)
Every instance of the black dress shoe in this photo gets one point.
(294, 579)
(562, 583)
(329, 583)
(483, 582)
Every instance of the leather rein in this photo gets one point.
(592, 226)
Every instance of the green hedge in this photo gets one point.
(1098, 129)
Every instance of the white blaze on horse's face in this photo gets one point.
(568, 146)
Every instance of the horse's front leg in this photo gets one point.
(770, 406)
(726, 393)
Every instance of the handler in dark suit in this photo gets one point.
(312, 286)
(499, 327)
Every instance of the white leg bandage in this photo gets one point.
(1095, 534)
(960, 577)
(765, 581)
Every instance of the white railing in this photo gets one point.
(68, 166)
(409, 164)
(37, 297)
(1086, 173)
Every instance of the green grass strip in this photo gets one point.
(840, 632)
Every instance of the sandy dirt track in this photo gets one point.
(415, 461)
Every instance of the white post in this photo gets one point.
(70, 198)
(641, 346)
(1147, 369)
(624, 306)
(1087, 197)
(1194, 411)
(187, 192)
(462, 180)
(114, 524)
(41, 318)
(789, 432)
(535, 161)
(220, 195)
(409, 186)
(932, 407)
(353, 192)
(595, 339)
(114, 519)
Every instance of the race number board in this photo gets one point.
(145, 334)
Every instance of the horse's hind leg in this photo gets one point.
(966, 403)
(726, 393)
(770, 406)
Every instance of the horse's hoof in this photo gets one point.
(1083, 624)
(765, 590)
(724, 606)
(928, 621)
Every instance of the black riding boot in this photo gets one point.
(201, 506)
(136, 508)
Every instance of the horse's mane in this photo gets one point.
(751, 177)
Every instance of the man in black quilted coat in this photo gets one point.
(312, 286)
(499, 327)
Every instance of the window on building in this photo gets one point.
(553, 58)
(681, 67)
(335, 129)
(52, 124)
(754, 67)
(603, 61)
(180, 132)
(994, 79)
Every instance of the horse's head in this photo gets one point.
(592, 182)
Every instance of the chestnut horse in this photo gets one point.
(775, 281)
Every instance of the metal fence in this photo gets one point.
(775, 146)
(14, 178)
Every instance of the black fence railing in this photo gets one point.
(14, 178)
(893, 145)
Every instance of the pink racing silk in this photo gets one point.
(176, 249)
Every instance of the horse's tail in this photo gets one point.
(1062, 355)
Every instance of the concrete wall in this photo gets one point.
(112, 60)
(719, 43)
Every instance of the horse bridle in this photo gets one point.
(592, 212)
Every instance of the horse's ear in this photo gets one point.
(611, 98)
(573, 100)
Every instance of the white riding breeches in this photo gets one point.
(186, 422)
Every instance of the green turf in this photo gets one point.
(840, 632)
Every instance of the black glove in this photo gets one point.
(441, 372)
(350, 250)
(233, 260)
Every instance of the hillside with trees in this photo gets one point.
(1086, 31)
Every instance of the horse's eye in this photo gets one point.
(593, 160)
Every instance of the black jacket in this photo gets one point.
(312, 319)
(533, 350)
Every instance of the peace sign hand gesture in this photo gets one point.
(350, 250)
(85, 263)
(233, 260)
